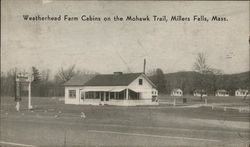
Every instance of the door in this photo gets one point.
(82, 96)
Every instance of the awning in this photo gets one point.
(96, 89)
(114, 89)
(117, 89)
(140, 90)
(104, 89)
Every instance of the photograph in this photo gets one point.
(107, 73)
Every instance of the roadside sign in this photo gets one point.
(19, 79)
(22, 78)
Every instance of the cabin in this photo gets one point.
(176, 92)
(121, 89)
(198, 92)
(221, 92)
(241, 92)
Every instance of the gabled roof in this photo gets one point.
(106, 80)
(221, 90)
(199, 90)
(78, 80)
(242, 90)
(113, 80)
(176, 89)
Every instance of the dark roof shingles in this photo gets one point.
(78, 80)
(112, 80)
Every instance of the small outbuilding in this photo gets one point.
(198, 92)
(241, 92)
(221, 92)
(176, 92)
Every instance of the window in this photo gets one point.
(112, 95)
(92, 95)
(82, 95)
(154, 92)
(88, 95)
(72, 93)
(97, 96)
(140, 82)
(121, 95)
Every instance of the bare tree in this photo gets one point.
(151, 72)
(200, 66)
(208, 75)
(215, 76)
(45, 74)
(66, 74)
(85, 72)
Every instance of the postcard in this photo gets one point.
(124, 73)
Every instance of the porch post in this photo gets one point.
(127, 94)
(80, 96)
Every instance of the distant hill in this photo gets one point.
(188, 80)
(235, 81)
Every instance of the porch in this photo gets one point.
(115, 96)
(109, 94)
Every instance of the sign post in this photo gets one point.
(17, 93)
(19, 79)
(17, 106)
(174, 101)
(29, 101)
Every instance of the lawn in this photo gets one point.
(52, 123)
(230, 100)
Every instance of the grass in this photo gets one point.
(230, 100)
(41, 127)
(54, 106)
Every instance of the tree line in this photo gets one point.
(44, 84)
(203, 77)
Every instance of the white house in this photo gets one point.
(221, 92)
(112, 89)
(176, 92)
(198, 92)
(241, 92)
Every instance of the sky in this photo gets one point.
(106, 47)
